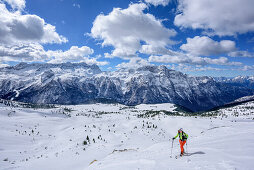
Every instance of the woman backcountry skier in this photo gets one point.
(182, 139)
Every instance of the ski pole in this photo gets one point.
(171, 148)
(186, 147)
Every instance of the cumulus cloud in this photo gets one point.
(227, 17)
(128, 29)
(205, 46)
(18, 28)
(158, 2)
(36, 52)
(189, 59)
(107, 55)
(241, 54)
(154, 50)
(23, 52)
(22, 36)
(75, 53)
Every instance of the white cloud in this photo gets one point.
(195, 47)
(107, 55)
(73, 54)
(153, 50)
(189, 59)
(16, 4)
(3, 65)
(21, 36)
(186, 67)
(208, 69)
(221, 17)
(158, 2)
(23, 52)
(205, 46)
(36, 52)
(127, 29)
(197, 68)
(134, 62)
(241, 54)
(247, 68)
(18, 28)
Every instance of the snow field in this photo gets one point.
(48, 139)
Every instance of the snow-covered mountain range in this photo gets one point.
(76, 83)
(242, 81)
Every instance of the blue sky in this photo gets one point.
(198, 37)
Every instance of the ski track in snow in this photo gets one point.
(46, 139)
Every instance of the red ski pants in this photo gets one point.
(181, 145)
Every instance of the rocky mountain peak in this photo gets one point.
(76, 83)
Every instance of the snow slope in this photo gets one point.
(53, 139)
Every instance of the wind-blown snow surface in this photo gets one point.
(47, 139)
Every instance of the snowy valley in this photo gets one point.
(115, 136)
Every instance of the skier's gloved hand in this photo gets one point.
(173, 138)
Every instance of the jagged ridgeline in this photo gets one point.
(78, 83)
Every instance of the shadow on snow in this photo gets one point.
(196, 153)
